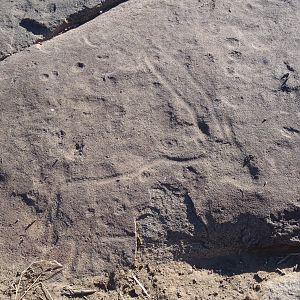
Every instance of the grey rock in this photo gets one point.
(173, 122)
(26, 22)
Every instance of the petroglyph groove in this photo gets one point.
(166, 159)
(199, 121)
(166, 82)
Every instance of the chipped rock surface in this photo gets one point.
(172, 126)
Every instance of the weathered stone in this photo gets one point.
(172, 123)
(26, 22)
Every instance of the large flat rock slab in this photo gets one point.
(171, 127)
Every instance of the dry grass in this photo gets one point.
(31, 281)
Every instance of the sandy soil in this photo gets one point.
(164, 281)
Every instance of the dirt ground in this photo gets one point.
(45, 280)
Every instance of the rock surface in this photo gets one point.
(172, 127)
(26, 22)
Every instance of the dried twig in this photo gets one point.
(35, 267)
(30, 287)
(46, 292)
(76, 293)
(20, 279)
(142, 287)
(136, 240)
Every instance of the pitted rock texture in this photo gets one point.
(162, 125)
